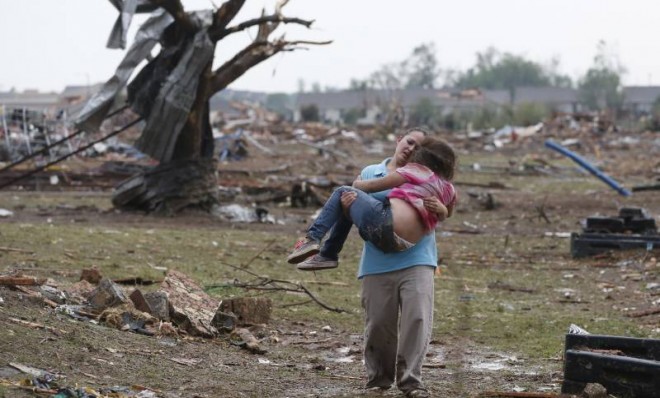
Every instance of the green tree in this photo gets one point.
(352, 115)
(653, 121)
(423, 113)
(494, 70)
(358, 85)
(600, 88)
(310, 113)
(529, 113)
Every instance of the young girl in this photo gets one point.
(402, 220)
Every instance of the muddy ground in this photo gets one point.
(506, 291)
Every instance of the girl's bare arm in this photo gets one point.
(380, 184)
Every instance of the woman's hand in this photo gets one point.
(433, 205)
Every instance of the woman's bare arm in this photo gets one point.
(380, 184)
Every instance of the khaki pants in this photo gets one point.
(398, 309)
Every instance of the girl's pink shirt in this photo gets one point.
(422, 183)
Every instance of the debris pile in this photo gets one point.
(180, 307)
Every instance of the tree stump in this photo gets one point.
(169, 188)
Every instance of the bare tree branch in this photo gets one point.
(253, 54)
(250, 56)
(225, 14)
(265, 283)
(218, 34)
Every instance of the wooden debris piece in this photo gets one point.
(91, 275)
(249, 310)
(192, 308)
(498, 394)
(506, 286)
(186, 361)
(224, 321)
(245, 339)
(639, 314)
(21, 281)
(35, 325)
(107, 294)
(13, 249)
(159, 304)
(139, 301)
(136, 281)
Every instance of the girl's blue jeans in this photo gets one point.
(372, 217)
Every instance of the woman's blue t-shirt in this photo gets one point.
(375, 261)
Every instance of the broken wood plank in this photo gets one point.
(502, 394)
(192, 309)
(35, 325)
(506, 286)
(21, 280)
(13, 249)
(639, 314)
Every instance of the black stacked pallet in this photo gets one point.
(627, 367)
(632, 229)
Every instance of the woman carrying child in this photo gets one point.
(399, 222)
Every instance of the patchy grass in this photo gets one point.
(503, 286)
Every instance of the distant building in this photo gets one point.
(639, 100)
(375, 104)
(31, 100)
(559, 99)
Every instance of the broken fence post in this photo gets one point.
(589, 167)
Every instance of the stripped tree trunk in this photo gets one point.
(186, 175)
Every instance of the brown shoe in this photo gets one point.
(317, 262)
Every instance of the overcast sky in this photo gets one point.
(48, 44)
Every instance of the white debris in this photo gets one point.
(4, 213)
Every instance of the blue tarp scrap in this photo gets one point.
(231, 146)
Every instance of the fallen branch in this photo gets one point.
(506, 286)
(251, 259)
(639, 314)
(13, 249)
(295, 304)
(34, 325)
(264, 283)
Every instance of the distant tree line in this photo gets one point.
(598, 89)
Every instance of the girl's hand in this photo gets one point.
(347, 199)
(433, 205)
